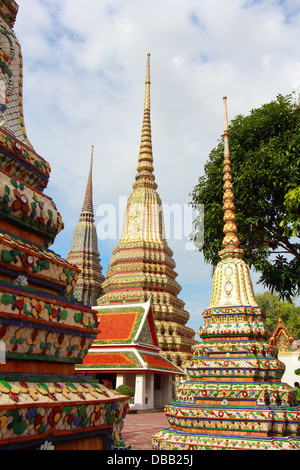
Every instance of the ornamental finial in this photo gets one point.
(92, 159)
(279, 315)
(87, 211)
(231, 241)
(148, 83)
(145, 175)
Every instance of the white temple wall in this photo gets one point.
(291, 363)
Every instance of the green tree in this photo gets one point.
(125, 390)
(291, 222)
(289, 313)
(265, 154)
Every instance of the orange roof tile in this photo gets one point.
(116, 326)
(108, 359)
(127, 360)
(158, 362)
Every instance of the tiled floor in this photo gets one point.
(139, 429)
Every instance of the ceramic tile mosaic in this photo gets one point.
(233, 398)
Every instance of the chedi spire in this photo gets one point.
(231, 241)
(87, 211)
(145, 169)
(84, 249)
(232, 285)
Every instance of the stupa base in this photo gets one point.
(61, 415)
(169, 439)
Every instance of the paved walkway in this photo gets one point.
(139, 429)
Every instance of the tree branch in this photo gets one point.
(290, 249)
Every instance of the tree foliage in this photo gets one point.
(265, 154)
(289, 313)
(125, 390)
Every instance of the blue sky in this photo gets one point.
(84, 74)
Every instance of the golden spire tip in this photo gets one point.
(230, 241)
(226, 122)
(145, 175)
(92, 153)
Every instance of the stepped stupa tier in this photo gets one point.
(44, 332)
(11, 85)
(142, 264)
(84, 250)
(233, 398)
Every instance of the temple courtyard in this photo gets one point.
(140, 427)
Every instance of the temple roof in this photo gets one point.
(126, 340)
(127, 324)
(127, 360)
(283, 339)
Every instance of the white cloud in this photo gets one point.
(84, 73)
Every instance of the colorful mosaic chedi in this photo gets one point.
(44, 332)
(233, 398)
(142, 264)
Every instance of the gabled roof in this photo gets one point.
(126, 360)
(283, 339)
(126, 342)
(126, 324)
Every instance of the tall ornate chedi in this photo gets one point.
(43, 331)
(142, 265)
(233, 398)
(84, 250)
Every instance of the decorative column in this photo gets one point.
(140, 391)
